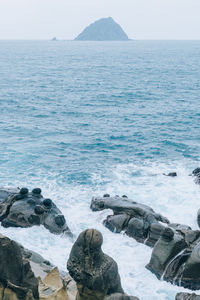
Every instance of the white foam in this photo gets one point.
(176, 198)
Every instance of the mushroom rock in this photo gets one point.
(96, 274)
(21, 208)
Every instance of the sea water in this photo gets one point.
(80, 119)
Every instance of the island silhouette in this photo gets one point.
(105, 29)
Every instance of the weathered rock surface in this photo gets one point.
(186, 296)
(96, 274)
(105, 29)
(17, 281)
(21, 208)
(137, 220)
(175, 258)
(196, 174)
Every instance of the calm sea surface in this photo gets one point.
(79, 119)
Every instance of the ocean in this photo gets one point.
(80, 119)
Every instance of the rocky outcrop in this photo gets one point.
(175, 258)
(196, 175)
(185, 296)
(171, 174)
(21, 208)
(96, 274)
(17, 281)
(137, 220)
(105, 29)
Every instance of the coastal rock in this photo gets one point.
(17, 281)
(96, 274)
(186, 296)
(21, 208)
(105, 29)
(171, 174)
(137, 220)
(175, 257)
(196, 174)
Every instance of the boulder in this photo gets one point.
(96, 274)
(137, 220)
(21, 208)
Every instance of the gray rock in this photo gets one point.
(96, 274)
(137, 220)
(21, 208)
(186, 296)
(175, 258)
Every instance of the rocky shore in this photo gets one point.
(90, 273)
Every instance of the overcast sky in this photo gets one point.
(141, 19)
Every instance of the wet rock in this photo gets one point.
(186, 296)
(175, 257)
(171, 174)
(137, 220)
(21, 208)
(16, 277)
(196, 174)
(96, 274)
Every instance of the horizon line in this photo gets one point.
(129, 40)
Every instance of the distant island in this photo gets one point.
(105, 29)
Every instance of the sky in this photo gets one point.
(65, 19)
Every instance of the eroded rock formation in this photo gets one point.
(17, 281)
(186, 296)
(96, 274)
(137, 220)
(175, 258)
(21, 208)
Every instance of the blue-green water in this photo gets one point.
(79, 119)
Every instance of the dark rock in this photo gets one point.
(196, 174)
(171, 174)
(23, 191)
(39, 210)
(175, 257)
(186, 296)
(105, 29)
(96, 274)
(15, 272)
(137, 220)
(106, 195)
(47, 203)
(19, 208)
(37, 191)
